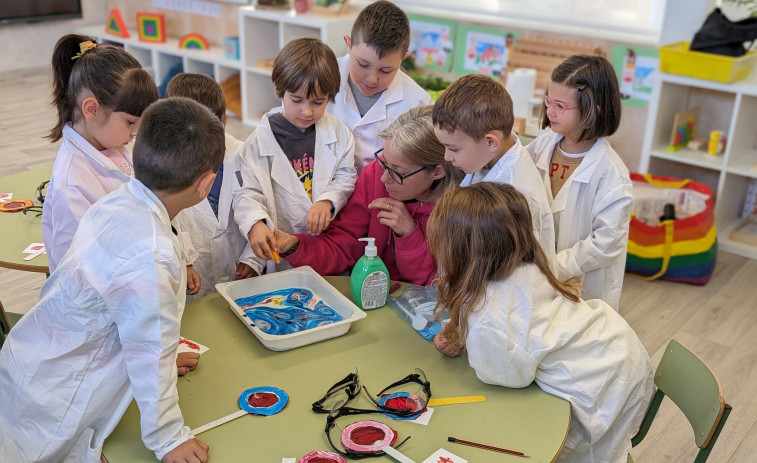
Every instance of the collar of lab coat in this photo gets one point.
(587, 167)
(144, 194)
(393, 93)
(503, 165)
(72, 136)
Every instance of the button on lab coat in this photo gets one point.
(271, 190)
(402, 94)
(592, 212)
(216, 240)
(583, 352)
(81, 175)
(105, 331)
(516, 168)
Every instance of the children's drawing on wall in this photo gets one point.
(636, 69)
(431, 42)
(481, 50)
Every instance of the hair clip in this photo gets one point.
(84, 47)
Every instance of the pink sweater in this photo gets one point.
(337, 249)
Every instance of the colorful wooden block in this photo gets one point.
(151, 27)
(116, 24)
(231, 47)
(194, 41)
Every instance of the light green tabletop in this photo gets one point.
(19, 229)
(383, 348)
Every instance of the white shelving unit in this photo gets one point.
(262, 33)
(731, 108)
(158, 58)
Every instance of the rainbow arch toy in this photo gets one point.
(194, 41)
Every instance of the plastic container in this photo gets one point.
(302, 277)
(676, 58)
(369, 281)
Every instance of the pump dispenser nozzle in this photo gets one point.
(370, 248)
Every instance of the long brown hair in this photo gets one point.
(478, 234)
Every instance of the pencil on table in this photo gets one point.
(487, 447)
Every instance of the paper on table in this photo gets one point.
(185, 345)
(446, 456)
(34, 248)
(6, 196)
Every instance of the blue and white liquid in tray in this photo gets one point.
(287, 311)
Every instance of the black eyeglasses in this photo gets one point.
(396, 176)
(37, 210)
(350, 386)
(340, 409)
(403, 404)
(40, 188)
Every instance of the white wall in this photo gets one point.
(31, 45)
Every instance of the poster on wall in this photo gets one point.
(636, 69)
(431, 42)
(482, 50)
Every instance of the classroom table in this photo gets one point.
(19, 230)
(383, 348)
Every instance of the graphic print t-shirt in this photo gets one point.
(298, 146)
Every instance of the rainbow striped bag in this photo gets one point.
(682, 249)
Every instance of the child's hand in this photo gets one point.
(319, 216)
(262, 241)
(191, 451)
(285, 242)
(244, 271)
(442, 345)
(186, 362)
(394, 215)
(193, 281)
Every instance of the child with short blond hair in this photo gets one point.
(373, 90)
(473, 118)
(298, 167)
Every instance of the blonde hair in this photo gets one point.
(413, 139)
(480, 234)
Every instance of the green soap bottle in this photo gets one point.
(369, 280)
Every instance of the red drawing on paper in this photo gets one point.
(445, 460)
(189, 344)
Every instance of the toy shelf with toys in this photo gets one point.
(160, 57)
(711, 107)
(262, 33)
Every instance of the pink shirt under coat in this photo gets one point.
(337, 249)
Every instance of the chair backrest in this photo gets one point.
(694, 388)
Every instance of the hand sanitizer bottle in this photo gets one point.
(369, 281)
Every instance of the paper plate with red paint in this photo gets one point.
(265, 400)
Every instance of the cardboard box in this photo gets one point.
(746, 231)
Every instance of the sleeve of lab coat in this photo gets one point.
(497, 359)
(608, 239)
(250, 200)
(142, 297)
(68, 206)
(342, 183)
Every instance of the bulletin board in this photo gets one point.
(482, 50)
(431, 42)
(213, 19)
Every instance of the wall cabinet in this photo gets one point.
(731, 108)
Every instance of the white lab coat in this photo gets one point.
(81, 175)
(584, 352)
(105, 331)
(216, 240)
(592, 212)
(271, 190)
(402, 94)
(516, 168)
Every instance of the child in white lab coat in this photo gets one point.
(586, 182)
(373, 90)
(222, 253)
(99, 92)
(106, 328)
(298, 166)
(473, 118)
(520, 324)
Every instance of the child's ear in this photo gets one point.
(89, 108)
(407, 53)
(348, 42)
(203, 184)
(492, 141)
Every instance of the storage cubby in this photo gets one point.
(262, 33)
(731, 108)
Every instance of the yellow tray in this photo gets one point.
(676, 58)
